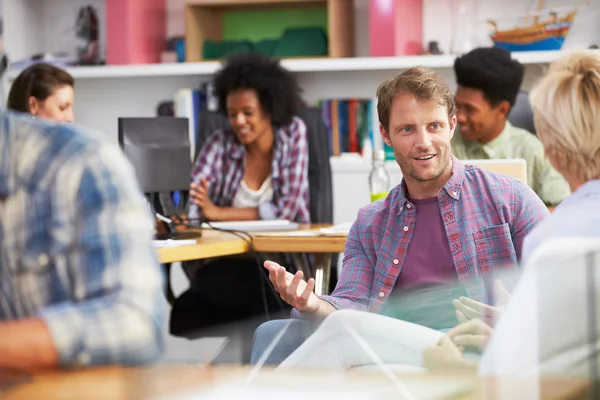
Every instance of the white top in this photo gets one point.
(545, 329)
(249, 198)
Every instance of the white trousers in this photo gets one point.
(350, 338)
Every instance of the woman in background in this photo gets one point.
(256, 169)
(43, 91)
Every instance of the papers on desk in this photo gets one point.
(173, 243)
(254, 226)
(336, 230)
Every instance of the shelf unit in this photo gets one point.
(357, 64)
(204, 21)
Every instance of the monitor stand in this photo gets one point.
(178, 235)
(169, 232)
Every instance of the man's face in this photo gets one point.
(420, 133)
(477, 119)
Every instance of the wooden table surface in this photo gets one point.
(218, 244)
(163, 382)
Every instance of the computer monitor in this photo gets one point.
(159, 149)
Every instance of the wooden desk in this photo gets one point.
(219, 244)
(210, 244)
(162, 382)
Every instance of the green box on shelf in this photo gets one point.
(302, 42)
(256, 25)
(295, 42)
(266, 46)
(215, 50)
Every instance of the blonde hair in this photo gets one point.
(419, 81)
(566, 107)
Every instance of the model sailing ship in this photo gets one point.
(547, 34)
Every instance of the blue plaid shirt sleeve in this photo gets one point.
(117, 309)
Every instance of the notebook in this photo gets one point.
(253, 226)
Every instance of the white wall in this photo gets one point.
(99, 102)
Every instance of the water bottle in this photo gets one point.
(379, 180)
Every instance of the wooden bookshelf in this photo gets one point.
(203, 21)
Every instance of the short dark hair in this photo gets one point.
(491, 70)
(276, 87)
(421, 82)
(39, 80)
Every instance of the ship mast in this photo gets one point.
(539, 8)
(540, 5)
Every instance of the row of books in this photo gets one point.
(349, 123)
(188, 103)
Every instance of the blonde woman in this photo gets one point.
(566, 107)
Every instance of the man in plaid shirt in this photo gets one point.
(446, 225)
(80, 283)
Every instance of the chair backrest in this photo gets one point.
(319, 169)
(521, 114)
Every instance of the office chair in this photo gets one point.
(319, 169)
(521, 114)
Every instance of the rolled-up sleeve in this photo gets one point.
(294, 178)
(353, 290)
(116, 311)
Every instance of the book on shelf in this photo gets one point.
(348, 124)
(353, 125)
(187, 104)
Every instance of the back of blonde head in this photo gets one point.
(566, 106)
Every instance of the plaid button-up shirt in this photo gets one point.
(486, 217)
(222, 162)
(75, 244)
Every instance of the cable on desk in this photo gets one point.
(245, 236)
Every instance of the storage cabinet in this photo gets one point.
(211, 21)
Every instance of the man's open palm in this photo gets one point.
(292, 288)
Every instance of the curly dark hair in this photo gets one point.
(491, 70)
(277, 88)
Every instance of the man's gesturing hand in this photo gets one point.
(292, 289)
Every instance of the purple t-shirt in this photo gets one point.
(428, 282)
(428, 258)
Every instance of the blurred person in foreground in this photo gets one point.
(80, 283)
(445, 226)
(566, 106)
(488, 83)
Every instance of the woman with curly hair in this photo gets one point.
(258, 169)
(255, 170)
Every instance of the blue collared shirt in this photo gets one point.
(577, 216)
(76, 244)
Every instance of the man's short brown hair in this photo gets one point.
(419, 81)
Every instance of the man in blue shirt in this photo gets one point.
(80, 283)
